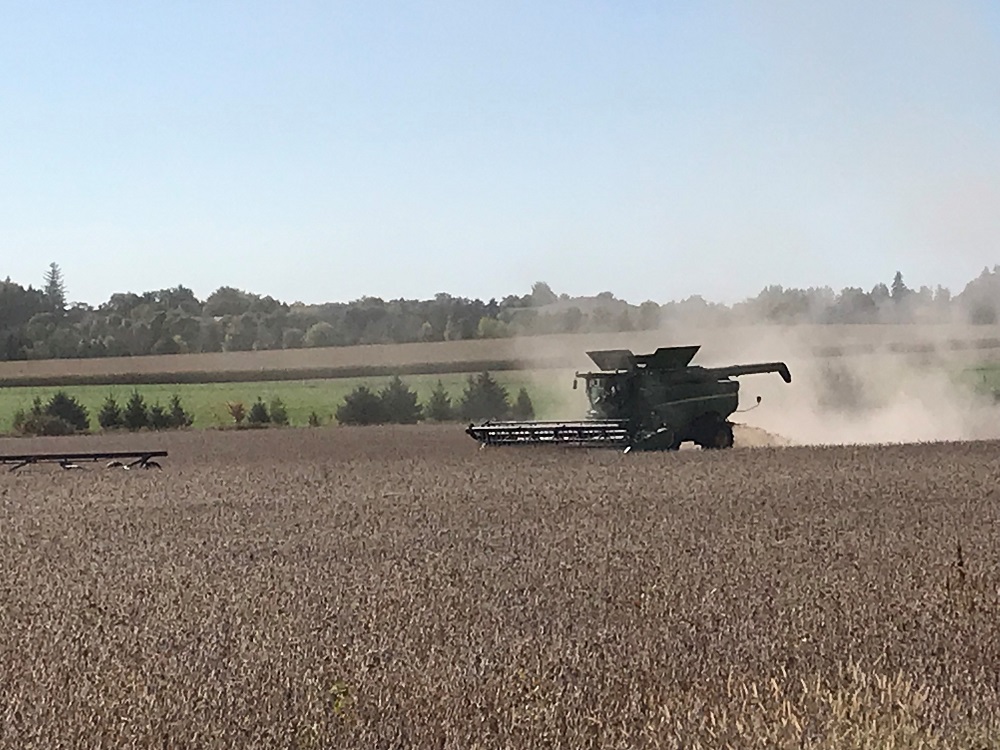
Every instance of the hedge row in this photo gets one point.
(396, 403)
(64, 415)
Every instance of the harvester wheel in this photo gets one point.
(723, 437)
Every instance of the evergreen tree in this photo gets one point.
(178, 416)
(279, 414)
(110, 415)
(159, 418)
(62, 415)
(438, 407)
(523, 408)
(899, 289)
(68, 409)
(55, 288)
(361, 406)
(542, 294)
(399, 403)
(258, 413)
(484, 398)
(136, 414)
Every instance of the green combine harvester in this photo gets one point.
(643, 402)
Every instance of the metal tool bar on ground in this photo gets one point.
(123, 459)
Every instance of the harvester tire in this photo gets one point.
(723, 437)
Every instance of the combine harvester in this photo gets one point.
(643, 402)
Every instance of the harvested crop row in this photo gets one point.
(400, 588)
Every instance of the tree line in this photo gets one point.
(484, 397)
(396, 403)
(40, 323)
(63, 414)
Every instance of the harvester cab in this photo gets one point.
(644, 402)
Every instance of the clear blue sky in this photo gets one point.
(323, 151)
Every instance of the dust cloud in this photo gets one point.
(883, 397)
(916, 177)
(851, 384)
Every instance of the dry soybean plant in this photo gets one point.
(397, 587)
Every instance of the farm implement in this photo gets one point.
(121, 459)
(643, 402)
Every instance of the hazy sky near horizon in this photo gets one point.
(323, 151)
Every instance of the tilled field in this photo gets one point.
(401, 588)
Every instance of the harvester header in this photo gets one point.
(644, 401)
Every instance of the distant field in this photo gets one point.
(719, 345)
(207, 402)
(293, 364)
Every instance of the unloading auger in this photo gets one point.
(643, 402)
